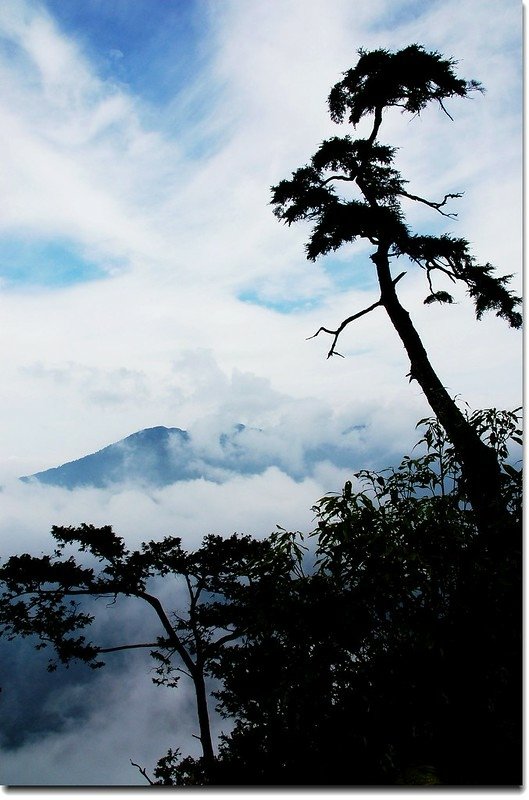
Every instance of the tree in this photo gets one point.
(396, 657)
(45, 597)
(408, 79)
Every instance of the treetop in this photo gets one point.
(371, 208)
(409, 78)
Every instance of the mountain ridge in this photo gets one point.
(160, 456)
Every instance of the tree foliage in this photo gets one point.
(45, 597)
(397, 658)
(408, 79)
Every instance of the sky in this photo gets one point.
(144, 280)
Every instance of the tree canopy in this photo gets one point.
(408, 79)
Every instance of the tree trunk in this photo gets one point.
(203, 718)
(196, 671)
(479, 464)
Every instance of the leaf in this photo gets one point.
(511, 471)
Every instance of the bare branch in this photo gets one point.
(434, 264)
(174, 639)
(127, 647)
(446, 271)
(444, 109)
(38, 593)
(339, 329)
(339, 178)
(428, 275)
(376, 125)
(432, 204)
(227, 638)
(193, 597)
(184, 672)
(143, 772)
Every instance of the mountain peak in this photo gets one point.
(146, 456)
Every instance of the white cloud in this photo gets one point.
(83, 165)
(124, 717)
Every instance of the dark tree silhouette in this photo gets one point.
(408, 79)
(391, 653)
(43, 597)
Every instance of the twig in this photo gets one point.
(444, 109)
(184, 672)
(143, 772)
(339, 329)
(436, 206)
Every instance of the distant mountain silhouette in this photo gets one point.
(156, 456)
(161, 456)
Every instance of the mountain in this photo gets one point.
(161, 456)
(155, 456)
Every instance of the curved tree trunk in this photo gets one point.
(196, 671)
(479, 464)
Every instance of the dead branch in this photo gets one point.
(345, 323)
(349, 178)
(444, 109)
(432, 204)
(143, 772)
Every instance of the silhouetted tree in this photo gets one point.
(42, 597)
(408, 79)
(396, 657)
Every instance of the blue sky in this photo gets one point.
(44, 263)
(155, 49)
(144, 280)
(161, 60)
